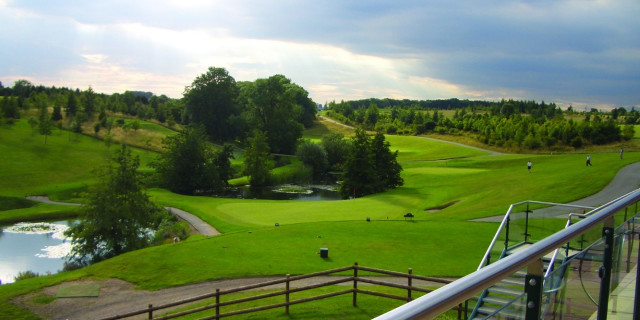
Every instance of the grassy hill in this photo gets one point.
(467, 183)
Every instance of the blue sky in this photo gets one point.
(581, 53)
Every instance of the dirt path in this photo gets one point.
(119, 297)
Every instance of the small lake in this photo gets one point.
(284, 192)
(39, 247)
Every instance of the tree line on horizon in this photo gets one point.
(526, 125)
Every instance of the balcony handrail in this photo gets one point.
(508, 215)
(437, 302)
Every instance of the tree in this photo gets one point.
(44, 123)
(307, 108)
(211, 101)
(189, 166)
(359, 176)
(386, 164)
(274, 111)
(72, 106)
(313, 155)
(118, 213)
(222, 161)
(89, 102)
(337, 148)
(56, 115)
(257, 159)
(370, 167)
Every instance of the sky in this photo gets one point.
(584, 53)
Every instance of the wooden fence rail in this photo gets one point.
(287, 291)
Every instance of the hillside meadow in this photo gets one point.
(445, 186)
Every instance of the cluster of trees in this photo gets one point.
(509, 123)
(81, 106)
(366, 163)
(231, 110)
(190, 166)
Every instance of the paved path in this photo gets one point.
(197, 223)
(625, 181)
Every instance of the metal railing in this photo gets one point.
(433, 304)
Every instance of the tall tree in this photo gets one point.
(44, 123)
(257, 159)
(274, 111)
(118, 213)
(386, 165)
(89, 102)
(72, 105)
(337, 148)
(211, 101)
(359, 177)
(189, 165)
(313, 155)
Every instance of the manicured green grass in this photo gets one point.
(391, 245)
(39, 212)
(29, 166)
(439, 243)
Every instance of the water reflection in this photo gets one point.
(38, 247)
(283, 192)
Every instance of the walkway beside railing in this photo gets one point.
(601, 220)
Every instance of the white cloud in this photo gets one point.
(552, 50)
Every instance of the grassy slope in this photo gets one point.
(484, 185)
(66, 161)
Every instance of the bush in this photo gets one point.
(26, 275)
(315, 156)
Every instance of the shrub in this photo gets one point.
(26, 275)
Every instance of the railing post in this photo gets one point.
(287, 294)
(607, 264)
(409, 280)
(217, 304)
(506, 236)
(526, 223)
(150, 311)
(636, 304)
(533, 290)
(355, 284)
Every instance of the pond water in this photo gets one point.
(284, 192)
(39, 247)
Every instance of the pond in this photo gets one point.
(39, 247)
(284, 192)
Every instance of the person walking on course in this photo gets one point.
(588, 160)
(529, 166)
(621, 152)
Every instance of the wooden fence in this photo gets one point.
(354, 290)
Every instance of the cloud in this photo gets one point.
(571, 51)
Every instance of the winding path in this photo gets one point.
(625, 181)
(198, 224)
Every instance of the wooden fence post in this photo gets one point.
(410, 282)
(217, 304)
(355, 284)
(150, 312)
(287, 294)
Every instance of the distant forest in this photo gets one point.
(231, 110)
(526, 125)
